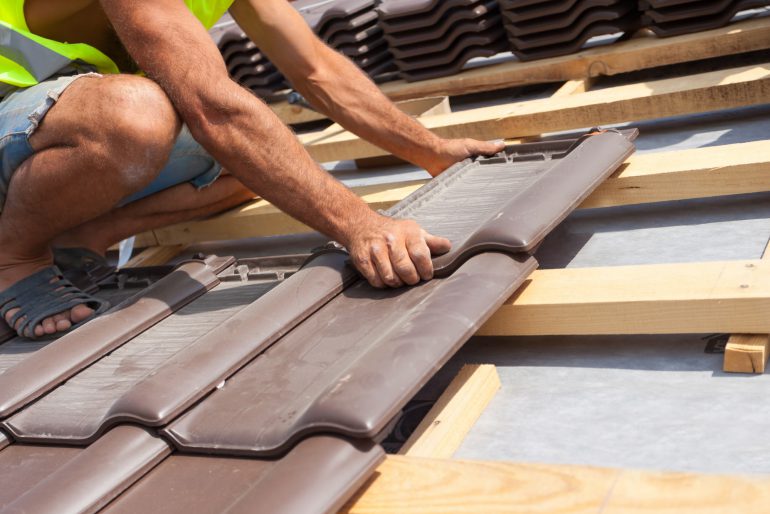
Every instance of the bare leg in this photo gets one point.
(174, 205)
(105, 139)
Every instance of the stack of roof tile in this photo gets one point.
(350, 26)
(547, 28)
(675, 17)
(227, 387)
(245, 63)
(435, 38)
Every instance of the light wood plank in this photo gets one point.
(703, 92)
(748, 353)
(155, 256)
(292, 114)
(444, 428)
(633, 55)
(143, 240)
(707, 297)
(408, 485)
(572, 87)
(425, 105)
(261, 218)
(685, 174)
(702, 172)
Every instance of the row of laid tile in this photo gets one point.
(130, 469)
(260, 368)
(102, 378)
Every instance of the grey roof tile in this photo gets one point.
(517, 14)
(575, 19)
(432, 27)
(456, 54)
(402, 15)
(693, 17)
(460, 33)
(613, 18)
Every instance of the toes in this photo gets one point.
(80, 312)
(49, 326)
(62, 322)
(9, 316)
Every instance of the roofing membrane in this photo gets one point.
(253, 385)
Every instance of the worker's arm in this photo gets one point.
(244, 135)
(337, 88)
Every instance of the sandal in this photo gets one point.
(83, 267)
(43, 295)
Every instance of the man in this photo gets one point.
(88, 159)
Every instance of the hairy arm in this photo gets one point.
(243, 134)
(338, 89)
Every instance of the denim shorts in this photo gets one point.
(22, 111)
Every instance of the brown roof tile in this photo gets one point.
(47, 368)
(318, 475)
(51, 479)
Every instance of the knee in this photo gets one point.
(141, 127)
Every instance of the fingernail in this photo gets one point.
(499, 141)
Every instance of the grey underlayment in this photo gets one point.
(653, 402)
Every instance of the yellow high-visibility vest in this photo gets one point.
(27, 59)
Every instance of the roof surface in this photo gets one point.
(282, 380)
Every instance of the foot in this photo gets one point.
(12, 272)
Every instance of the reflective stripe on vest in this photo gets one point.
(27, 59)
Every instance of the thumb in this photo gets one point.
(484, 147)
(437, 245)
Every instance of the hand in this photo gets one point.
(390, 252)
(451, 151)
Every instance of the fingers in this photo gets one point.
(484, 147)
(419, 252)
(397, 252)
(363, 263)
(437, 245)
(401, 260)
(381, 258)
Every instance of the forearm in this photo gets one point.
(344, 93)
(265, 155)
(239, 131)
